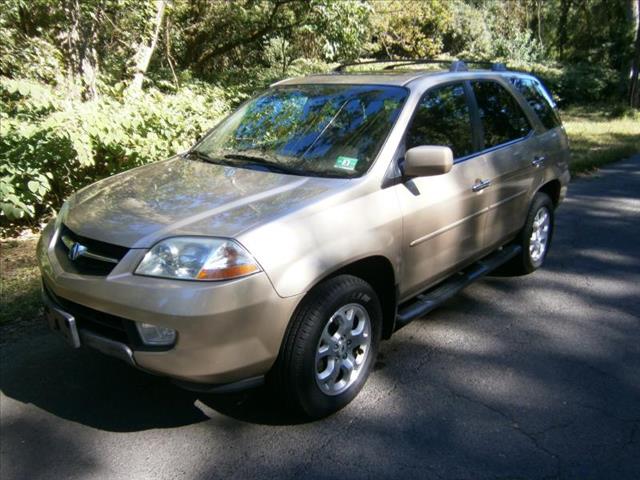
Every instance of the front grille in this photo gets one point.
(104, 324)
(99, 259)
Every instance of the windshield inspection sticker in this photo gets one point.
(346, 163)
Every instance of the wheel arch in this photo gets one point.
(378, 272)
(552, 189)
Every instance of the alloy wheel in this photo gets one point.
(539, 239)
(343, 349)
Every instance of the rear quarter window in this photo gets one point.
(539, 99)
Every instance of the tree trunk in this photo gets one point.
(145, 50)
(80, 45)
(634, 81)
(539, 21)
(561, 36)
(167, 44)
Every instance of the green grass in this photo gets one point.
(19, 281)
(601, 134)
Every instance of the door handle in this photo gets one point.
(538, 161)
(481, 185)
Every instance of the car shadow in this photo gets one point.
(90, 388)
(260, 406)
(87, 387)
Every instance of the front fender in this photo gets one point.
(298, 251)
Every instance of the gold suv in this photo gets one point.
(314, 221)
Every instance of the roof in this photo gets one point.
(389, 77)
(397, 79)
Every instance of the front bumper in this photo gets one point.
(226, 331)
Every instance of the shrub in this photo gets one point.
(51, 144)
(575, 84)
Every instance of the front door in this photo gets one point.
(443, 214)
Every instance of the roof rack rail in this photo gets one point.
(458, 66)
(454, 65)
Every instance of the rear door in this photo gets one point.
(442, 215)
(510, 152)
(552, 143)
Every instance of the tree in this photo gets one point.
(80, 44)
(145, 49)
(562, 31)
(634, 81)
(410, 29)
(220, 34)
(335, 30)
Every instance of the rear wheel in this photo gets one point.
(535, 237)
(330, 347)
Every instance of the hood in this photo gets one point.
(137, 208)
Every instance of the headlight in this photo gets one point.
(197, 258)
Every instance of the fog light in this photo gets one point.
(155, 335)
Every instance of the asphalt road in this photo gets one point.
(529, 377)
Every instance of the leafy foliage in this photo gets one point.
(51, 145)
(576, 84)
(414, 29)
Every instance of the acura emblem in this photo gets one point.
(76, 250)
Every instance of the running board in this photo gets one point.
(435, 297)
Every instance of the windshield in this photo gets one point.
(329, 130)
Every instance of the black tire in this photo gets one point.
(524, 262)
(294, 374)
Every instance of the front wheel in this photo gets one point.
(330, 346)
(535, 237)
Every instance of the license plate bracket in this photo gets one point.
(64, 324)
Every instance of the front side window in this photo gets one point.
(538, 98)
(323, 130)
(443, 118)
(502, 118)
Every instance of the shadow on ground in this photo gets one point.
(89, 388)
(94, 390)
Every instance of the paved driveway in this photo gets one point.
(530, 377)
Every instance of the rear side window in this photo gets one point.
(443, 118)
(539, 99)
(502, 118)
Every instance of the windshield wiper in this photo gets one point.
(264, 161)
(204, 157)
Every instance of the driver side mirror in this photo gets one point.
(427, 160)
